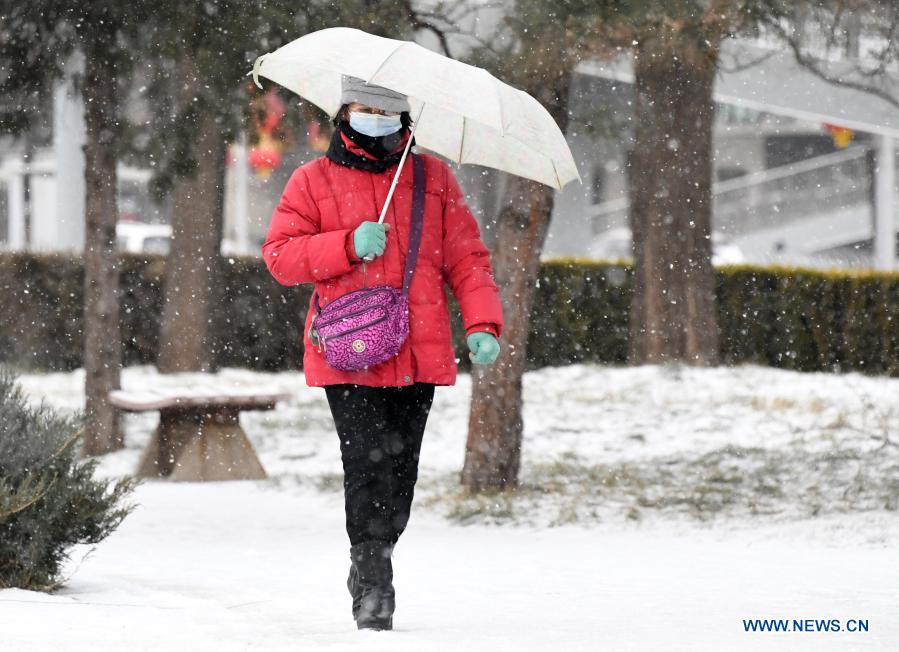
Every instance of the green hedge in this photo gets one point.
(810, 320)
(791, 318)
(257, 324)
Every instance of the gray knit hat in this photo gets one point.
(356, 90)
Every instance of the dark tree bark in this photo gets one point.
(493, 451)
(102, 342)
(185, 340)
(673, 313)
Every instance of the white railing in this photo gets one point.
(775, 196)
(785, 194)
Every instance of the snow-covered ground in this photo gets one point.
(659, 508)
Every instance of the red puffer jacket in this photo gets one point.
(310, 240)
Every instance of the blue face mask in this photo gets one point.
(373, 124)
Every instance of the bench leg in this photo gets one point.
(175, 428)
(198, 446)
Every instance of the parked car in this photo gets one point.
(137, 237)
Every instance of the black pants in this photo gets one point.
(380, 431)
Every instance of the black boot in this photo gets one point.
(371, 584)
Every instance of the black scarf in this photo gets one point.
(380, 146)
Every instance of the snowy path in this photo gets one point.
(240, 567)
(687, 500)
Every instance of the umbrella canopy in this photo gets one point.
(469, 116)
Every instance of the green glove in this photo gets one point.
(370, 238)
(484, 348)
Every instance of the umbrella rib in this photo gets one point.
(461, 141)
(556, 172)
(383, 62)
(499, 102)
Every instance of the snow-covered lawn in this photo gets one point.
(660, 507)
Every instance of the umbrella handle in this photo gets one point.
(396, 176)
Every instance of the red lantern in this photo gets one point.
(315, 139)
(266, 156)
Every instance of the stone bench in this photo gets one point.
(199, 437)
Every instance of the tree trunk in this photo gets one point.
(673, 313)
(185, 342)
(493, 451)
(496, 423)
(102, 341)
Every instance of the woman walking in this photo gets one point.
(325, 232)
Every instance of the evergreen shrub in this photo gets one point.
(49, 499)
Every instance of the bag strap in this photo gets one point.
(419, 180)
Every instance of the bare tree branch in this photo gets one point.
(814, 66)
(889, 52)
(835, 23)
(740, 67)
(418, 21)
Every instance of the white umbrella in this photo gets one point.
(463, 112)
